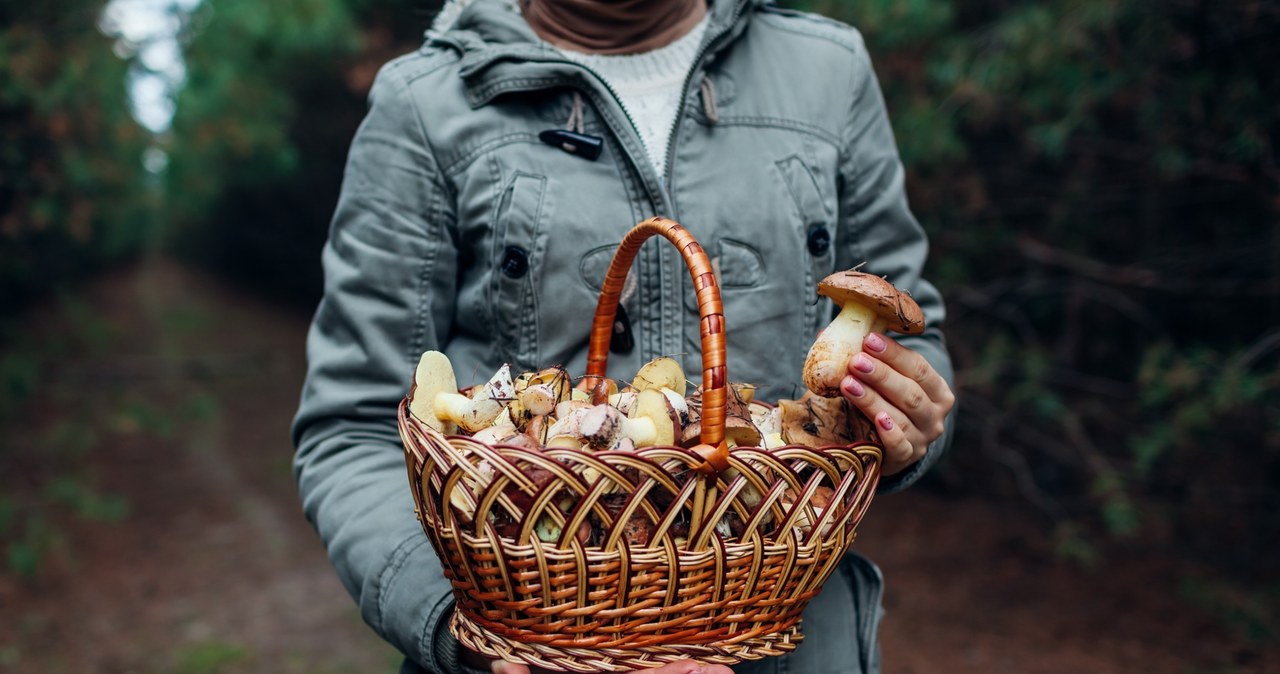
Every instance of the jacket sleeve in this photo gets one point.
(879, 232)
(390, 274)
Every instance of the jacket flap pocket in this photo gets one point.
(517, 254)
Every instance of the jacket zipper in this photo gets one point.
(698, 58)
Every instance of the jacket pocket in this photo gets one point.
(816, 225)
(518, 250)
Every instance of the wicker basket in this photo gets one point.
(610, 606)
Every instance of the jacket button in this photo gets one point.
(819, 240)
(515, 262)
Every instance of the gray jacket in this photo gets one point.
(458, 229)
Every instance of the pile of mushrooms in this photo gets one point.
(536, 410)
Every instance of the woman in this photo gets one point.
(495, 174)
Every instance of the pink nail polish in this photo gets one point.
(885, 421)
(875, 342)
(854, 387)
(862, 363)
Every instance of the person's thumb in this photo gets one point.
(500, 667)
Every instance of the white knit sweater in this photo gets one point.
(648, 84)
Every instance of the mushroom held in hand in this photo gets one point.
(868, 304)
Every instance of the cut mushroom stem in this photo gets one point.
(483, 407)
(599, 427)
(654, 407)
(470, 414)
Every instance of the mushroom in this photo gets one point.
(433, 375)
(868, 304)
(548, 531)
(602, 427)
(739, 430)
(470, 414)
(655, 407)
(767, 418)
(624, 400)
(661, 373)
(820, 501)
(814, 421)
(565, 441)
(506, 434)
(567, 408)
(538, 393)
(537, 429)
(637, 530)
(479, 411)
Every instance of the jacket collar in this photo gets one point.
(500, 53)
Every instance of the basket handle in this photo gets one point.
(713, 449)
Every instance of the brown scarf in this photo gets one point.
(612, 26)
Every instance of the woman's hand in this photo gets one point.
(902, 394)
(682, 667)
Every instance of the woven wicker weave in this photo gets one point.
(700, 588)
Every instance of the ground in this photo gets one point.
(151, 526)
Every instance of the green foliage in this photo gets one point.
(209, 657)
(45, 487)
(1099, 179)
(1253, 613)
(273, 95)
(73, 193)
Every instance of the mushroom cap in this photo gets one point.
(737, 420)
(894, 306)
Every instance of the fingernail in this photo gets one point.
(853, 387)
(875, 342)
(862, 363)
(885, 421)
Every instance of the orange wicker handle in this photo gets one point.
(713, 449)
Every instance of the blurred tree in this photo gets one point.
(274, 93)
(73, 192)
(1101, 180)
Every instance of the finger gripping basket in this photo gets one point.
(736, 548)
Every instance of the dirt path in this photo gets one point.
(150, 475)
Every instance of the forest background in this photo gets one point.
(1100, 180)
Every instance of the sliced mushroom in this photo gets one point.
(653, 406)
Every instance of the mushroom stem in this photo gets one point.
(828, 360)
(469, 414)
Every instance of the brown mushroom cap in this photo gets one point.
(738, 424)
(894, 306)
